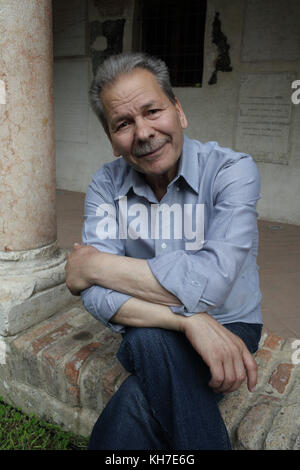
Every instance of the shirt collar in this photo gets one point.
(133, 179)
(188, 168)
(189, 165)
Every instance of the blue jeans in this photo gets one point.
(166, 403)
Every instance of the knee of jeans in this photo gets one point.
(132, 389)
(138, 344)
(145, 338)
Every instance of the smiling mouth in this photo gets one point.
(152, 153)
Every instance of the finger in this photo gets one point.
(240, 374)
(76, 245)
(217, 375)
(229, 381)
(251, 369)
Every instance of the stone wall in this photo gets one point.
(65, 370)
(252, 46)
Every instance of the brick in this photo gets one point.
(273, 342)
(53, 358)
(281, 376)
(50, 338)
(72, 368)
(269, 397)
(112, 380)
(254, 427)
(62, 348)
(74, 391)
(43, 328)
(284, 429)
(264, 355)
(233, 406)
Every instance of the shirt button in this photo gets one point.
(177, 188)
(163, 245)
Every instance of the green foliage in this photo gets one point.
(21, 432)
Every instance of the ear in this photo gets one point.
(115, 151)
(182, 116)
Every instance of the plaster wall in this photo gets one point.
(212, 112)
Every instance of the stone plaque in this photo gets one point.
(71, 100)
(271, 31)
(69, 28)
(264, 116)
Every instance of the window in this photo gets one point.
(174, 31)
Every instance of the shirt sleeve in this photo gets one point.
(99, 301)
(203, 279)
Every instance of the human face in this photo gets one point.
(145, 128)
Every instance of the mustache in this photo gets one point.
(142, 148)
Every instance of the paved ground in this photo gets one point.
(279, 262)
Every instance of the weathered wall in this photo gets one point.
(212, 111)
(81, 145)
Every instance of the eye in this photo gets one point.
(153, 111)
(122, 125)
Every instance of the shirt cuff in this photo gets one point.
(174, 271)
(183, 311)
(103, 306)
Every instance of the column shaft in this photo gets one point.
(27, 152)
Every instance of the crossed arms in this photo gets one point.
(144, 301)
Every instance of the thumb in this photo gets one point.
(76, 245)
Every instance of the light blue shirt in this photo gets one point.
(219, 277)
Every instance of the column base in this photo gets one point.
(32, 287)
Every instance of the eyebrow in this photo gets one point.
(118, 119)
(121, 118)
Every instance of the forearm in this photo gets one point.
(140, 313)
(133, 277)
(226, 355)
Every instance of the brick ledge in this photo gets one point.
(65, 370)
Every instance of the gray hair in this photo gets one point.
(119, 64)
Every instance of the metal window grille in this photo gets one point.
(174, 31)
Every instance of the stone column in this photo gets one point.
(31, 265)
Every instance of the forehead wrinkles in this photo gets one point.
(125, 101)
(131, 92)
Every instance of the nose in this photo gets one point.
(143, 130)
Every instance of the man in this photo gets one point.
(189, 312)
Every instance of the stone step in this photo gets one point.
(269, 418)
(65, 369)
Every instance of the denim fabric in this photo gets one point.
(166, 404)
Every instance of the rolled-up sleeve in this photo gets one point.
(204, 278)
(103, 304)
(99, 301)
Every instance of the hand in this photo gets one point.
(80, 267)
(226, 355)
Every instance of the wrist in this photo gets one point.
(181, 322)
(196, 317)
(96, 268)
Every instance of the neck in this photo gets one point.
(159, 184)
